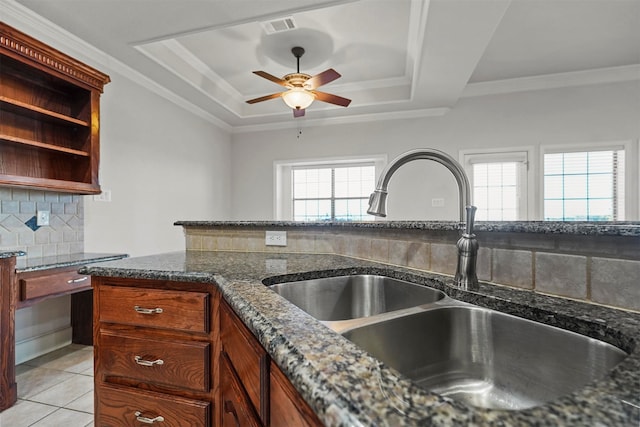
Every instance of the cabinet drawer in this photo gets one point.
(183, 364)
(248, 358)
(178, 310)
(122, 406)
(41, 284)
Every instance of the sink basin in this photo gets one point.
(486, 358)
(355, 296)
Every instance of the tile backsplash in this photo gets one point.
(63, 235)
(601, 270)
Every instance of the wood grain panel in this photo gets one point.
(184, 311)
(184, 363)
(118, 406)
(287, 406)
(248, 359)
(235, 407)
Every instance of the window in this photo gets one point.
(328, 189)
(332, 193)
(584, 185)
(498, 182)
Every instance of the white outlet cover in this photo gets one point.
(275, 238)
(42, 218)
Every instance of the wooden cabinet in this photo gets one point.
(257, 388)
(49, 117)
(176, 354)
(155, 352)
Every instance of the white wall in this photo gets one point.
(581, 114)
(161, 164)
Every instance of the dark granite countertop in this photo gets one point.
(27, 263)
(630, 228)
(347, 387)
(9, 254)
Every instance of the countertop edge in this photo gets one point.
(623, 229)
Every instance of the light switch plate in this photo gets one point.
(42, 218)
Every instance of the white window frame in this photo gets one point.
(632, 160)
(283, 194)
(524, 155)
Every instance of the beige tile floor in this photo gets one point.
(54, 390)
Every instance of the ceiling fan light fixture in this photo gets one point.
(298, 98)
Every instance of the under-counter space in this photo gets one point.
(27, 281)
(345, 386)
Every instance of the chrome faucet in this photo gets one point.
(467, 245)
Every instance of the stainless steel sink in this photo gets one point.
(356, 296)
(486, 358)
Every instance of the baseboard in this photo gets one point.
(37, 346)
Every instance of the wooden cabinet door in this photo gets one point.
(236, 409)
(287, 406)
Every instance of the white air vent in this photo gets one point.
(279, 25)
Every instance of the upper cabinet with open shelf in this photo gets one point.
(49, 117)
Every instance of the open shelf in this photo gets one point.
(49, 117)
(42, 145)
(35, 111)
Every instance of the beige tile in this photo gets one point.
(193, 242)
(359, 247)
(513, 268)
(615, 282)
(444, 258)
(65, 417)
(303, 243)
(561, 274)
(398, 252)
(419, 255)
(83, 404)
(37, 380)
(24, 413)
(483, 264)
(380, 250)
(209, 243)
(65, 392)
(324, 244)
(72, 358)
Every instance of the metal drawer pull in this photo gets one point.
(82, 279)
(146, 420)
(140, 361)
(142, 310)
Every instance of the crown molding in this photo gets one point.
(554, 81)
(360, 118)
(29, 22)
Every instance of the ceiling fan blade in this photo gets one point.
(323, 78)
(271, 77)
(331, 99)
(298, 112)
(264, 98)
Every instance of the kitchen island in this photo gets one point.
(347, 387)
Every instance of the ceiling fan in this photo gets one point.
(301, 87)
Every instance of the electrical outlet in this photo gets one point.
(437, 203)
(105, 196)
(275, 238)
(42, 218)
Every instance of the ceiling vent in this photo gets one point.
(279, 25)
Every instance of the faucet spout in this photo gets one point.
(467, 245)
(378, 199)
